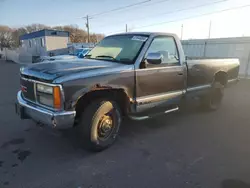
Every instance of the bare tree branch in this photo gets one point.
(9, 37)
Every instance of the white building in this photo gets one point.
(45, 42)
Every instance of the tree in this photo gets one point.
(99, 37)
(94, 38)
(16, 35)
(5, 37)
(9, 37)
(35, 27)
(78, 35)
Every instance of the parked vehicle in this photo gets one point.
(57, 57)
(138, 75)
(82, 52)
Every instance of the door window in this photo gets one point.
(167, 47)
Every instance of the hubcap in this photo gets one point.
(105, 126)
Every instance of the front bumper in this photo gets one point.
(60, 119)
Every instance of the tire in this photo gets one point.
(213, 100)
(99, 125)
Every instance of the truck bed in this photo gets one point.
(202, 71)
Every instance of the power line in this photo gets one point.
(119, 8)
(116, 9)
(106, 12)
(160, 23)
(171, 12)
(148, 4)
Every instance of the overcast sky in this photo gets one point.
(148, 16)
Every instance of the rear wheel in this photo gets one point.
(99, 124)
(213, 100)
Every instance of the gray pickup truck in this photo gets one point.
(137, 75)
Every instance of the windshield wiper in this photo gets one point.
(106, 56)
(88, 55)
(102, 57)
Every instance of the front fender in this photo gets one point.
(71, 101)
(75, 89)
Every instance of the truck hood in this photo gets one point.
(49, 71)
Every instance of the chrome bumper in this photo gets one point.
(60, 120)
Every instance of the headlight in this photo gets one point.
(49, 96)
(44, 89)
(45, 100)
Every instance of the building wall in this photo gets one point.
(34, 46)
(54, 43)
(18, 56)
(221, 48)
(37, 47)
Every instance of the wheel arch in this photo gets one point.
(222, 77)
(118, 95)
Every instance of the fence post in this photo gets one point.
(205, 46)
(247, 67)
(5, 53)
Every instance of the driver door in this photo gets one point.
(160, 86)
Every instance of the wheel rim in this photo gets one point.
(106, 126)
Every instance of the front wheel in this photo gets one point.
(99, 124)
(213, 99)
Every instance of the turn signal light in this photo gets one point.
(57, 97)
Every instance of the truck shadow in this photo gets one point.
(166, 120)
(231, 183)
(131, 128)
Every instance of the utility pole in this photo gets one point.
(181, 31)
(126, 28)
(210, 27)
(87, 25)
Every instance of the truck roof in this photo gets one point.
(146, 33)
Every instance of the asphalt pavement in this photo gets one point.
(184, 149)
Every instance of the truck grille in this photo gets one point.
(28, 89)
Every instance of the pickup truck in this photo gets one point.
(136, 75)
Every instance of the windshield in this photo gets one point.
(119, 48)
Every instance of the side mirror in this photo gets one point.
(154, 58)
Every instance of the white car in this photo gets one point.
(57, 57)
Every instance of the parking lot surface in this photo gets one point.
(179, 150)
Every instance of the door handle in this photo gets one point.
(179, 73)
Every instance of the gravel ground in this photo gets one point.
(179, 150)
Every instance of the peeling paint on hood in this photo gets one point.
(50, 71)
